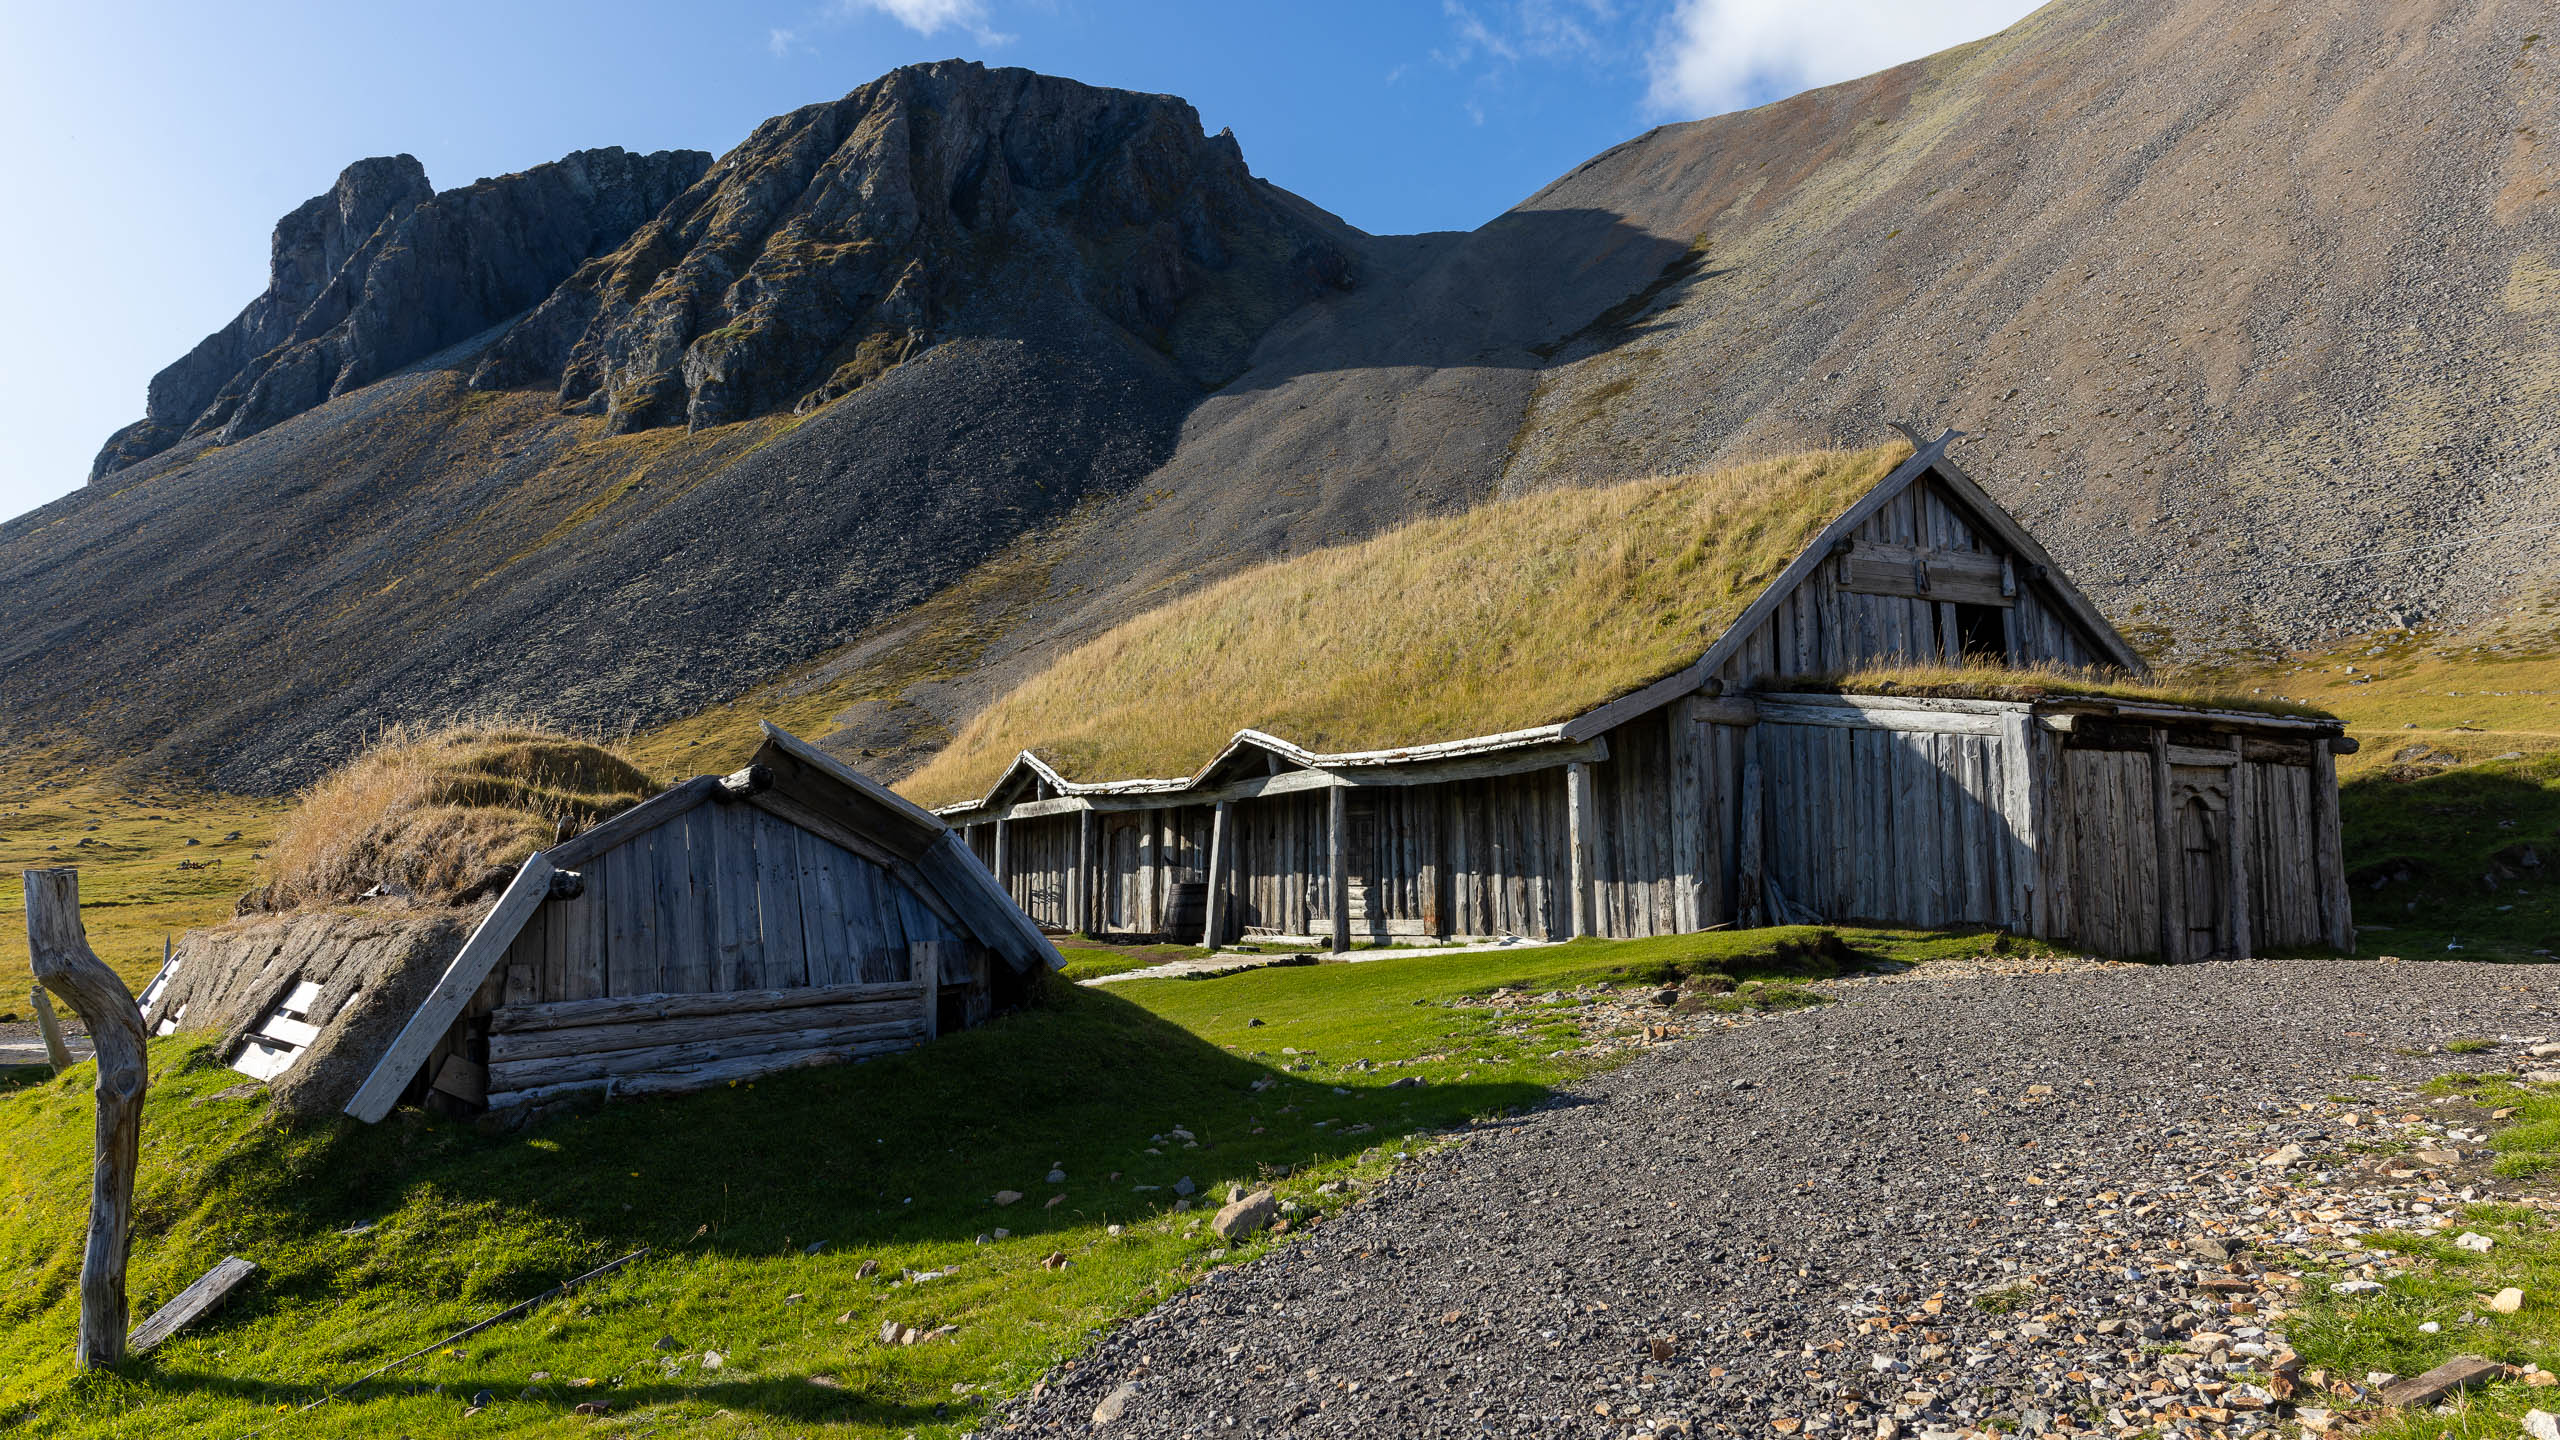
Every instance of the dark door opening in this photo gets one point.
(1982, 634)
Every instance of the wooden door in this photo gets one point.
(2204, 876)
(1121, 875)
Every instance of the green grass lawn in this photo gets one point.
(2450, 1287)
(374, 1241)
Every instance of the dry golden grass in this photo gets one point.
(446, 814)
(2001, 682)
(1519, 613)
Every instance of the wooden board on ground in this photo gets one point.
(193, 1303)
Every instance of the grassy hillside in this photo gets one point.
(1433, 631)
(763, 1204)
(140, 881)
(2456, 786)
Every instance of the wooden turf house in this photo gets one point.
(1732, 792)
(790, 914)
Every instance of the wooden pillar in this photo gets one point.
(1215, 890)
(2235, 847)
(924, 963)
(1337, 831)
(2164, 825)
(2337, 913)
(1081, 896)
(55, 1052)
(1003, 866)
(64, 963)
(1429, 812)
(1579, 822)
(2019, 757)
(1748, 909)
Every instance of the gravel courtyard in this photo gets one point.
(1940, 1206)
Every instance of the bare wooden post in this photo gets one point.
(1337, 842)
(2236, 850)
(1082, 915)
(1577, 824)
(2173, 859)
(1215, 881)
(1004, 857)
(54, 1050)
(64, 962)
(1748, 909)
(2337, 911)
(924, 963)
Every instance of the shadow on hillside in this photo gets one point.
(898, 1154)
(2464, 855)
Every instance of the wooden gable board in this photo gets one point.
(947, 867)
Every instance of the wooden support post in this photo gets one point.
(2337, 913)
(1004, 856)
(1578, 822)
(55, 1051)
(2164, 826)
(1337, 830)
(2019, 757)
(1080, 894)
(2235, 849)
(924, 965)
(1214, 887)
(1748, 908)
(65, 964)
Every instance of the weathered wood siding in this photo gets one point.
(723, 897)
(1661, 828)
(1039, 857)
(1892, 827)
(1839, 619)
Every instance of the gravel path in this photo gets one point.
(1805, 1212)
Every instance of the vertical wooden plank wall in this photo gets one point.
(723, 898)
(1892, 827)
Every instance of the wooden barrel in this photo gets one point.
(1186, 910)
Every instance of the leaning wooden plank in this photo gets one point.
(443, 1005)
(560, 1069)
(192, 1304)
(575, 851)
(685, 1029)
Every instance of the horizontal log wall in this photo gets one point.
(723, 897)
(661, 1044)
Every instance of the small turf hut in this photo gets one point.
(1784, 693)
(791, 914)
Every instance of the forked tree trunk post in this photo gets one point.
(56, 1053)
(66, 966)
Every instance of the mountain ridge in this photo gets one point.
(2016, 237)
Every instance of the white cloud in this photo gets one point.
(782, 42)
(931, 17)
(1717, 55)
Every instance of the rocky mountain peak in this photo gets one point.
(939, 200)
(381, 270)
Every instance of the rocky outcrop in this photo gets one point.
(940, 200)
(382, 271)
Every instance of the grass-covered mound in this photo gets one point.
(445, 814)
(2030, 683)
(1519, 613)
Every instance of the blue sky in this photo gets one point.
(156, 144)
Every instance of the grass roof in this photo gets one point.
(1519, 613)
(1999, 682)
(445, 815)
